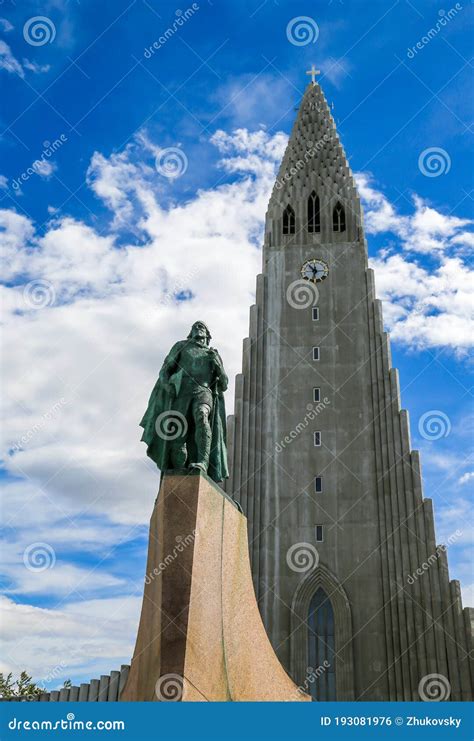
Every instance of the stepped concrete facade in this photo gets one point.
(320, 456)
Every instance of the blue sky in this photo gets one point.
(108, 235)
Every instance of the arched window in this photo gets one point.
(307, 634)
(289, 222)
(314, 213)
(321, 648)
(338, 218)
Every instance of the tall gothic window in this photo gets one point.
(289, 223)
(338, 218)
(314, 213)
(321, 648)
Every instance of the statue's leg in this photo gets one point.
(178, 454)
(203, 435)
(181, 412)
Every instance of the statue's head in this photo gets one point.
(199, 331)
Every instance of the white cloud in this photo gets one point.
(8, 62)
(11, 64)
(335, 70)
(426, 231)
(245, 99)
(466, 477)
(5, 25)
(80, 640)
(35, 67)
(114, 313)
(423, 307)
(44, 168)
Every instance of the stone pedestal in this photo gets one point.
(200, 636)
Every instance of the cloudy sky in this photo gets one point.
(136, 170)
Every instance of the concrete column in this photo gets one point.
(239, 384)
(399, 624)
(460, 639)
(381, 495)
(435, 590)
(423, 580)
(259, 452)
(405, 537)
(448, 624)
(244, 455)
(84, 692)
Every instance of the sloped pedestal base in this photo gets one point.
(200, 636)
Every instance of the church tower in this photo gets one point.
(353, 591)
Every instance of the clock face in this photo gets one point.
(315, 270)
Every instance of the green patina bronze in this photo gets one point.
(184, 425)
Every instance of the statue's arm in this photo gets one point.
(170, 363)
(222, 380)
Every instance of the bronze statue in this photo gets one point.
(184, 425)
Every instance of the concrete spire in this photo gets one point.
(314, 160)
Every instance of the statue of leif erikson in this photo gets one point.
(184, 425)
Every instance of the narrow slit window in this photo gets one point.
(289, 222)
(319, 533)
(315, 353)
(317, 439)
(314, 213)
(316, 394)
(318, 484)
(338, 218)
(315, 313)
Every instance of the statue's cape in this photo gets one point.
(158, 449)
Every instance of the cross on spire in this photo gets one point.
(313, 72)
